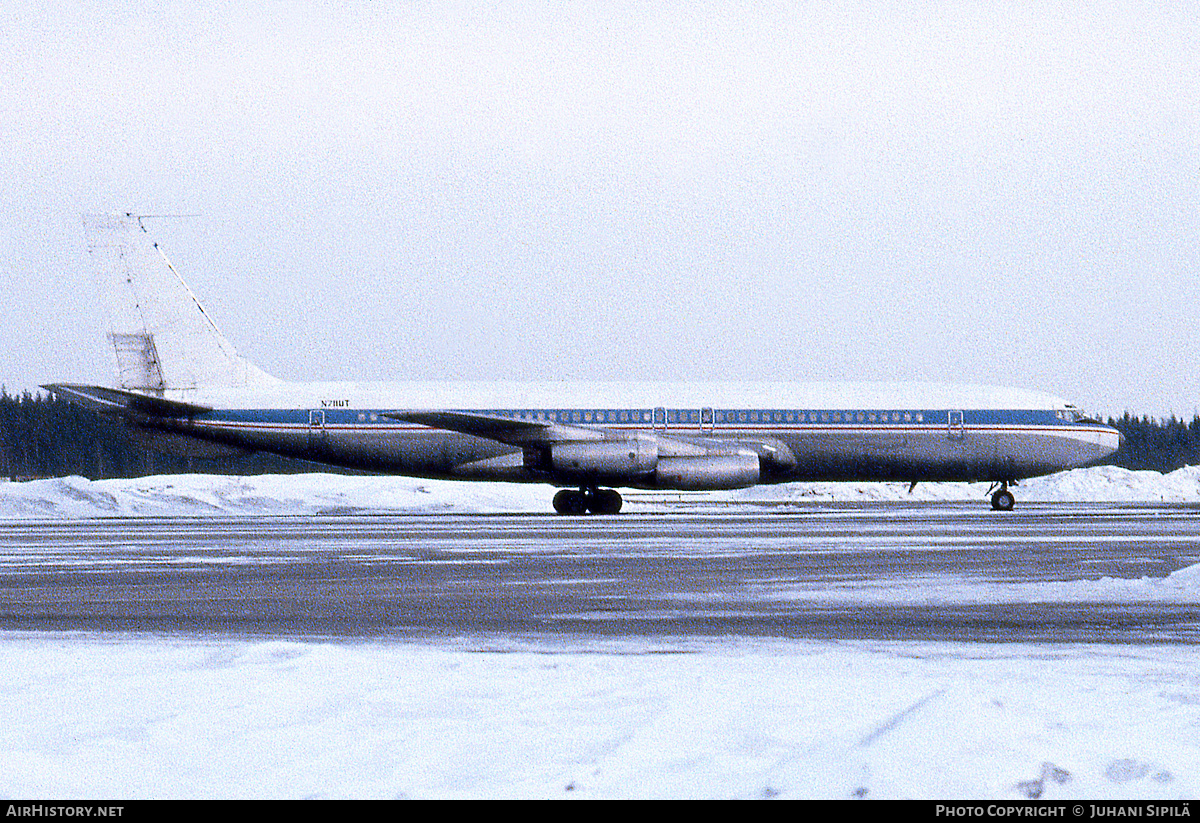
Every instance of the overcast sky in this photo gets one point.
(973, 192)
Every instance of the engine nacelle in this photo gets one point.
(718, 471)
(609, 459)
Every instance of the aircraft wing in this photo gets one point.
(117, 402)
(545, 433)
(503, 429)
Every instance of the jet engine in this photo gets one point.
(717, 471)
(645, 461)
(607, 460)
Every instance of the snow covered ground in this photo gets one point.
(132, 716)
(126, 715)
(213, 495)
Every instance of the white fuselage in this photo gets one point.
(913, 432)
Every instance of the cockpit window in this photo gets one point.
(1075, 415)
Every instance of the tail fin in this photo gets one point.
(161, 337)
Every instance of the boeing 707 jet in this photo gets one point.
(182, 387)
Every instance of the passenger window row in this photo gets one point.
(686, 416)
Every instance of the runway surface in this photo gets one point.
(1056, 572)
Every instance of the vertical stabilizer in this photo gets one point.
(160, 336)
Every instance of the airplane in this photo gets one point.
(183, 388)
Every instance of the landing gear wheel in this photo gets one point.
(596, 501)
(1003, 501)
(570, 502)
(604, 501)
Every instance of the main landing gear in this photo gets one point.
(1002, 499)
(596, 501)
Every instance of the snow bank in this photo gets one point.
(308, 494)
(141, 717)
(1101, 484)
(285, 494)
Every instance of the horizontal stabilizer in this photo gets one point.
(502, 429)
(115, 402)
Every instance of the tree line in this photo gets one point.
(1159, 445)
(42, 436)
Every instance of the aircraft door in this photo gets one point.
(660, 418)
(706, 420)
(316, 428)
(955, 430)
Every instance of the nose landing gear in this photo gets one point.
(596, 501)
(1003, 500)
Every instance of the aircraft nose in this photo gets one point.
(1114, 440)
